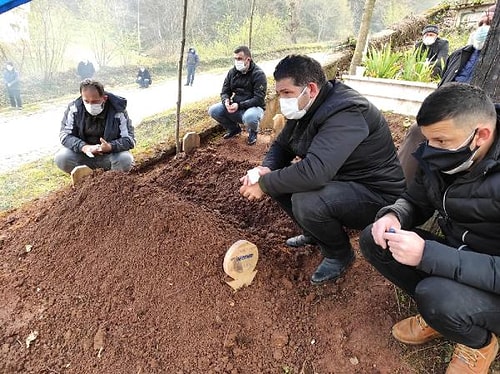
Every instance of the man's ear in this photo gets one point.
(105, 97)
(313, 89)
(484, 135)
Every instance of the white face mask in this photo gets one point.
(94, 109)
(239, 65)
(290, 106)
(428, 40)
(10, 68)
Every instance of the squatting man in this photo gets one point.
(318, 169)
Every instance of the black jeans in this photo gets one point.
(323, 214)
(461, 313)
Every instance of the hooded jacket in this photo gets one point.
(118, 130)
(342, 137)
(248, 88)
(469, 211)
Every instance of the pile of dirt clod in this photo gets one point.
(124, 275)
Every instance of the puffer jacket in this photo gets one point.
(118, 131)
(469, 211)
(248, 89)
(342, 137)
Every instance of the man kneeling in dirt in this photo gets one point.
(334, 164)
(454, 278)
(96, 131)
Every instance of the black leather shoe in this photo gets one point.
(299, 241)
(232, 133)
(252, 137)
(331, 269)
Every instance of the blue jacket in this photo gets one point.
(118, 131)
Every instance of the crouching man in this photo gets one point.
(96, 131)
(454, 278)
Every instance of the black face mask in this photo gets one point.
(448, 161)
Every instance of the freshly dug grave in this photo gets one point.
(123, 274)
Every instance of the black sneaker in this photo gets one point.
(232, 133)
(252, 137)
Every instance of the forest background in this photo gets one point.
(46, 39)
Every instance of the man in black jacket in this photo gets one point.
(96, 131)
(454, 278)
(459, 68)
(435, 47)
(334, 164)
(242, 97)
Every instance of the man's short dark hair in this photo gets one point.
(301, 69)
(466, 105)
(244, 49)
(89, 83)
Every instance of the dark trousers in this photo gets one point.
(461, 313)
(325, 213)
(15, 97)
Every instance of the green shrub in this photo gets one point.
(382, 63)
(415, 67)
(410, 65)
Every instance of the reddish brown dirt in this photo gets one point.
(125, 276)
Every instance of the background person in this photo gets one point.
(12, 85)
(192, 61)
(459, 68)
(96, 131)
(436, 48)
(143, 77)
(317, 169)
(243, 97)
(454, 278)
(85, 69)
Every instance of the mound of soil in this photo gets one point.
(123, 274)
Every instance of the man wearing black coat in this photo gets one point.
(454, 278)
(243, 97)
(334, 164)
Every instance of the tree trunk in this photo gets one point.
(487, 70)
(179, 80)
(362, 36)
(252, 11)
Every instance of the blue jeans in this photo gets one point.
(461, 313)
(325, 213)
(190, 74)
(66, 160)
(249, 117)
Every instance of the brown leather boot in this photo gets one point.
(468, 360)
(414, 330)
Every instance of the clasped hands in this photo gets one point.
(252, 191)
(407, 247)
(97, 149)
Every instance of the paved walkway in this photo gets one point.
(26, 137)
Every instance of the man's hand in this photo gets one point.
(231, 108)
(105, 146)
(406, 247)
(91, 149)
(252, 192)
(381, 226)
(245, 180)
